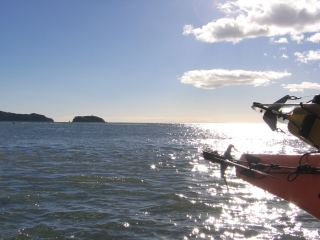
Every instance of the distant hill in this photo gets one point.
(87, 119)
(16, 117)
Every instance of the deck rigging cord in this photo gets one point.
(303, 169)
(300, 169)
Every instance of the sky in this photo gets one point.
(180, 61)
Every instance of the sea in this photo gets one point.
(140, 181)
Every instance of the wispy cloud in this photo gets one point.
(252, 19)
(308, 56)
(284, 56)
(217, 78)
(301, 87)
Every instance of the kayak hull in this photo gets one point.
(299, 188)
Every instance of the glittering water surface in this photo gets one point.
(139, 181)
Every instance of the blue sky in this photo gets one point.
(156, 61)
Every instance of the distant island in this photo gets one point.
(87, 119)
(33, 117)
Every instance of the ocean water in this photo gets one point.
(139, 181)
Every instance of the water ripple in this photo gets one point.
(139, 181)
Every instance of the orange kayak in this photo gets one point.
(296, 179)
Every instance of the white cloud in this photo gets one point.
(301, 87)
(281, 40)
(284, 56)
(216, 78)
(252, 19)
(315, 38)
(297, 37)
(309, 56)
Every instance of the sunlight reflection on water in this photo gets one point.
(250, 138)
(267, 214)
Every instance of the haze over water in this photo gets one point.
(139, 181)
